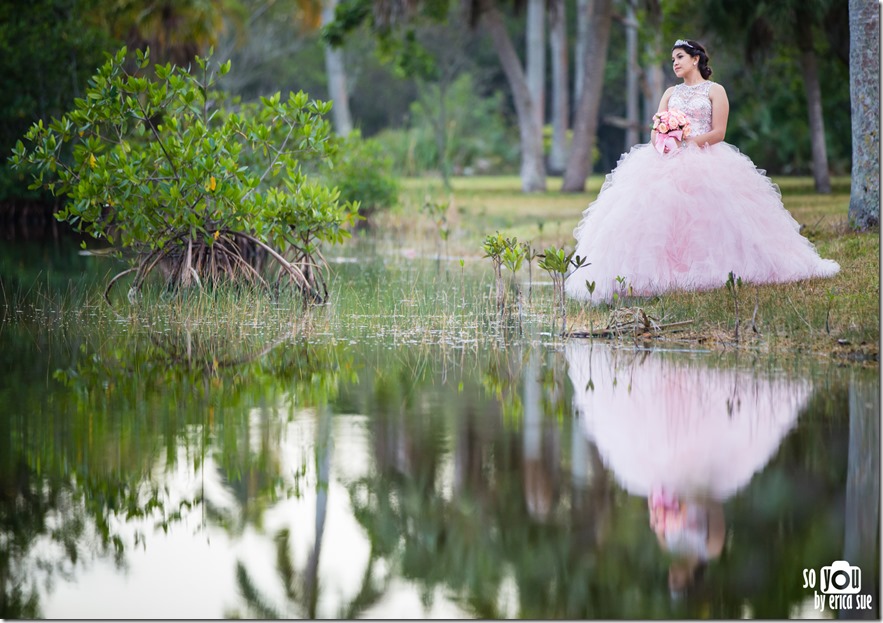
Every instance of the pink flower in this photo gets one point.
(663, 128)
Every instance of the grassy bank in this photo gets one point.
(837, 316)
(381, 289)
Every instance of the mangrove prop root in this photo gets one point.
(233, 256)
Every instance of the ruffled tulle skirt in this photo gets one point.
(685, 220)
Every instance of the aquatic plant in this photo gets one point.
(734, 284)
(529, 254)
(493, 247)
(557, 263)
(438, 214)
(158, 166)
(830, 297)
(513, 257)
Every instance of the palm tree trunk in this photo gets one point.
(560, 95)
(864, 92)
(336, 70)
(653, 78)
(632, 70)
(579, 51)
(585, 126)
(809, 68)
(536, 55)
(533, 169)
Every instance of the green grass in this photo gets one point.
(387, 287)
(789, 316)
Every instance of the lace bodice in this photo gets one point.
(694, 102)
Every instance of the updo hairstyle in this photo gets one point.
(694, 48)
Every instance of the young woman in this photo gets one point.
(686, 217)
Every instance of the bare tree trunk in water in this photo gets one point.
(560, 92)
(336, 70)
(533, 167)
(809, 68)
(585, 126)
(864, 93)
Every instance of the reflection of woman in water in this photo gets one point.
(682, 434)
(692, 530)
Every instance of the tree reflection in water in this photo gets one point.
(473, 480)
(94, 470)
(563, 536)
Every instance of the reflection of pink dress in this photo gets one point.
(686, 219)
(679, 424)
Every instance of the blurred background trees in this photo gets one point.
(452, 87)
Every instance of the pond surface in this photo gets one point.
(409, 459)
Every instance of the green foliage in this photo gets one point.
(398, 44)
(557, 262)
(47, 52)
(156, 167)
(455, 130)
(513, 257)
(363, 173)
(438, 213)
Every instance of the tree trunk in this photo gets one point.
(809, 68)
(533, 169)
(336, 70)
(579, 51)
(560, 95)
(585, 126)
(864, 92)
(632, 70)
(653, 82)
(536, 55)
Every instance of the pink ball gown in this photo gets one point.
(678, 425)
(687, 218)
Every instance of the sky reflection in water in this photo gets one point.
(572, 481)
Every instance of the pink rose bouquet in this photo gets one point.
(671, 126)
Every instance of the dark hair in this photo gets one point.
(694, 48)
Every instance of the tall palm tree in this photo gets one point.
(560, 90)
(488, 15)
(536, 55)
(585, 125)
(176, 31)
(335, 68)
(533, 168)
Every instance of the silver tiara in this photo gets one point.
(680, 42)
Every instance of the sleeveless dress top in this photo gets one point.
(695, 103)
(685, 219)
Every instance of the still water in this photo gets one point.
(363, 472)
